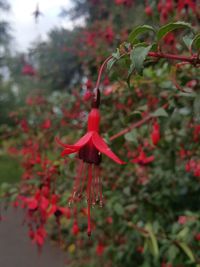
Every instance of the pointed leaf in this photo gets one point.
(138, 56)
(160, 112)
(153, 243)
(110, 63)
(196, 41)
(187, 41)
(139, 30)
(171, 27)
(187, 251)
(118, 209)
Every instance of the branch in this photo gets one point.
(131, 127)
(193, 59)
(136, 124)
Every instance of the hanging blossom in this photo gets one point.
(155, 134)
(90, 149)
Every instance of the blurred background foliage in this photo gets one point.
(151, 213)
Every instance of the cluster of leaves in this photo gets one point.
(150, 116)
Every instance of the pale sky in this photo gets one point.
(25, 30)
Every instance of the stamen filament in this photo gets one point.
(89, 197)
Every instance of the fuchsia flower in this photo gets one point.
(142, 158)
(182, 219)
(185, 4)
(46, 124)
(90, 149)
(148, 10)
(75, 228)
(100, 249)
(197, 237)
(155, 134)
(109, 35)
(24, 125)
(28, 70)
(39, 236)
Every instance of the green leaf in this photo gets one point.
(171, 27)
(187, 41)
(131, 136)
(118, 209)
(196, 41)
(183, 233)
(160, 112)
(138, 56)
(196, 108)
(187, 251)
(110, 63)
(153, 244)
(116, 55)
(172, 252)
(139, 30)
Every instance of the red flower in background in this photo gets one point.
(148, 10)
(75, 228)
(46, 124)
(39, 236)
(155, 134)
(127, 3)
(142, 158)
(182, 219)
(164, 264)
(24, 125)
(89, 148)
(185, 4)
(100, 249)
(28, 70)
(109, 35)
(197, 237)
(196, 133)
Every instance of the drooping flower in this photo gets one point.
(28, 70)
(185, 4)
(109, 35)
(100, 249)
(148, 10)
(75, 228)
(46, 124)
(182, 219)
(90, 149)
(155, 134)
(197, 237)
(142, 158)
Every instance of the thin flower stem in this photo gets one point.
(89, 197)
(194, 59)
(101, 71)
